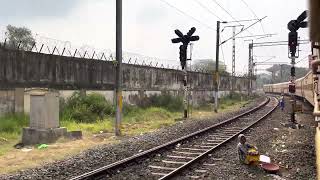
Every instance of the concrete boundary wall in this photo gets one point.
(23, 69)
(30, 69)
(6, 101)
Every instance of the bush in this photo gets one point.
(129, 109)
(167, 101)
(88, 108)
(12, 123)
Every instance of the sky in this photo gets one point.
(148, 25)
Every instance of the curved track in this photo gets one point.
(185, 151)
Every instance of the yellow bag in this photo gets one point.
(252, 158)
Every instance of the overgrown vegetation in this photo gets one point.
(89, 108)
(232, 99)
(158, 112)
(11, 125)
(166, 101)
(93, 114)
(226, 101)
(94, 107)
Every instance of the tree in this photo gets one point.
(19, 35)
(281, 73)
(209, 66)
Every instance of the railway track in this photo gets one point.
(175, 156)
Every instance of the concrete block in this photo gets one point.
(32, 136)
(44, 110)
(74, 135)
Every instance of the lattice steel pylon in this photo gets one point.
(250, 68)
(233, 73)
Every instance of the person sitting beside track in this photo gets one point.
(248, 154)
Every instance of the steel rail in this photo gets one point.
(100, 171)
(181, 168)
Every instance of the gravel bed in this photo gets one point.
(292, 149)
(106, 154)
(143, 171)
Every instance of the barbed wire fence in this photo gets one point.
(46, 45)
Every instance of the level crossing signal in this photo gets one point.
(185, 40)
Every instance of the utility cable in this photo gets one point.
(243, 30)
(229, 14)
(305, 58)
(270, 42)
(224, 61)
(255, 15)
(207, 9)
(266, 60)
(186, 14)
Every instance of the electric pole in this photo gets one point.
(250, 66)
(217, 69)
(233, 37)
(118, 68)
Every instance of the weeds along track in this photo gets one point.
(172, 158)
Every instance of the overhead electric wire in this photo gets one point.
(302, 59)
(186, 14)
(274, 45)
(263, 35)
(269, 42)
(243, 30)
(255, 15)
(224, 60)
(244, 20)
(267, 60)
(207, 9)
(229, 14)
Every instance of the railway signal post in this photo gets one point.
(185, 40)
(294, 26)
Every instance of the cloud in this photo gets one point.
(148, 26)
(150, 13)
(24, 9)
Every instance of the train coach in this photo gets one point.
(308, 87)
(303, 88)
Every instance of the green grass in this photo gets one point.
(12, 123)
(105, 125)
(226, 101)
(136, 120)
(10, 130)
(11, 126)
(153, 117)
